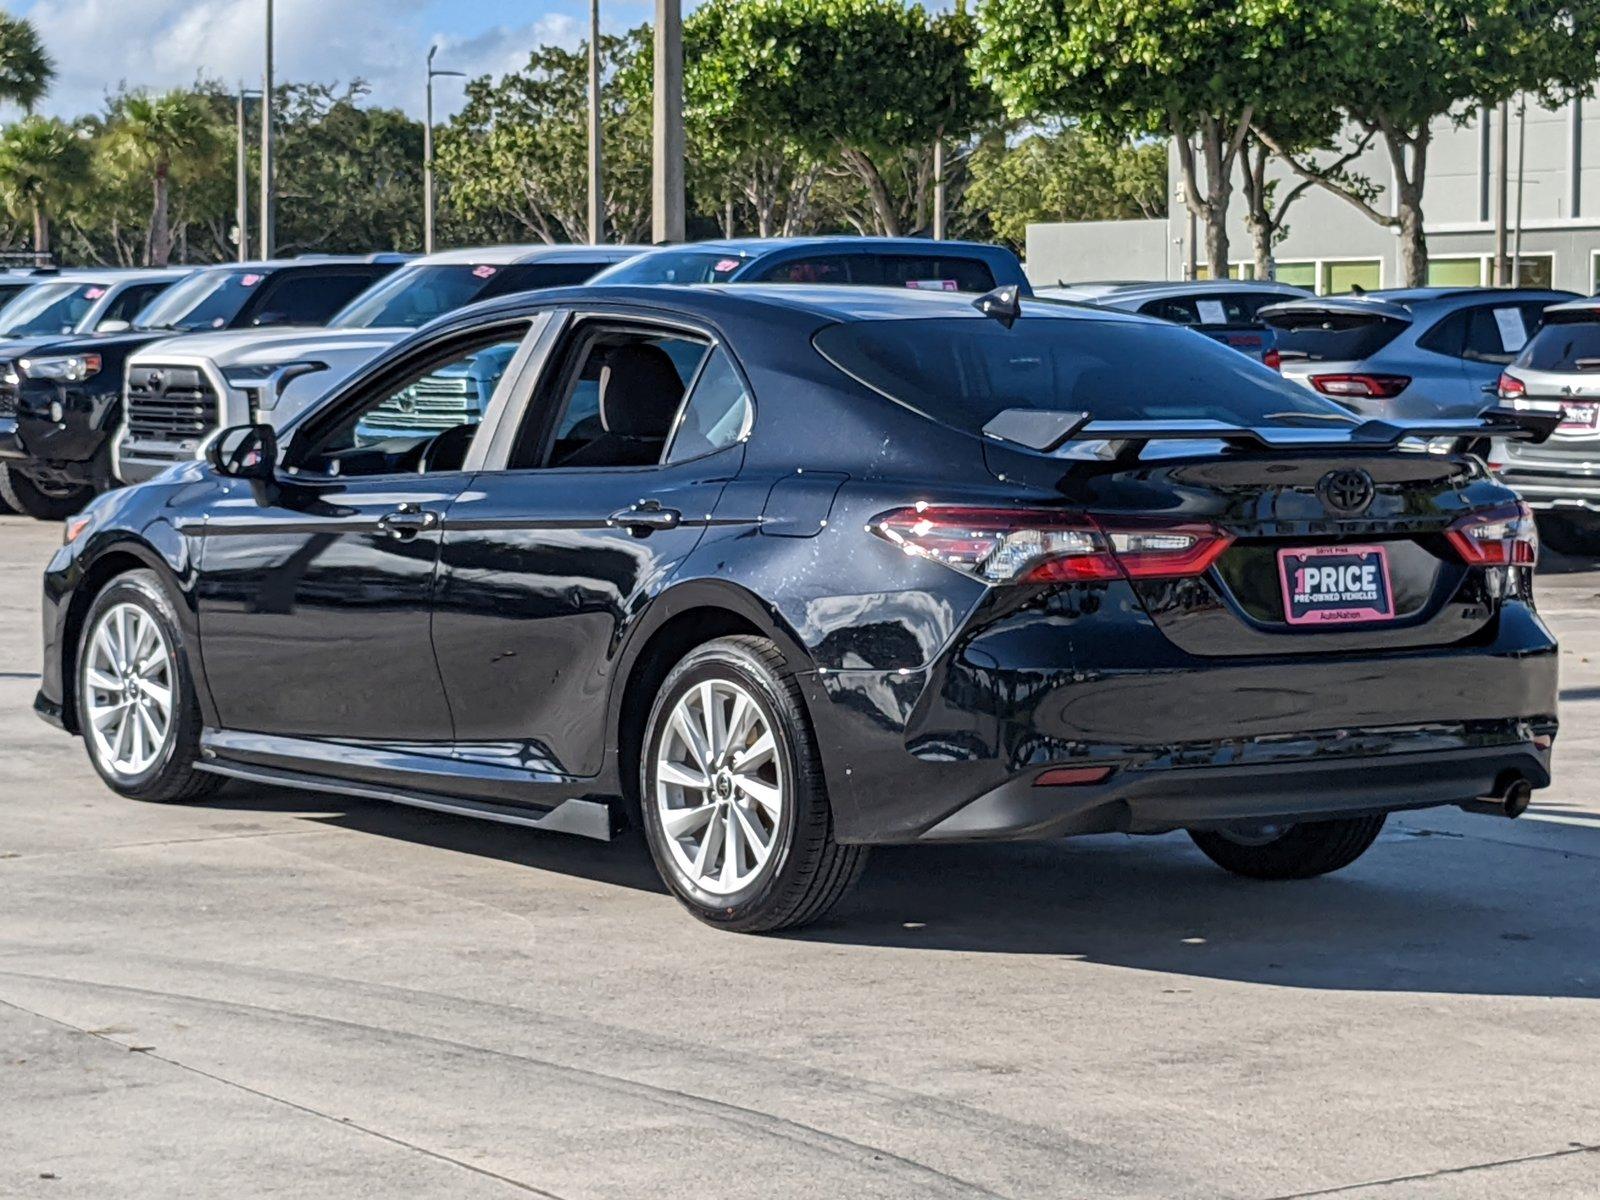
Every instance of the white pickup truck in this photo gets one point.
(262, 375)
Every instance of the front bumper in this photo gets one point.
(953, 751)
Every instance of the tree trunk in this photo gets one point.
(1413, 244)
(883, 210)
(1261, 237)
(1219, 147)
(41, 228)
(160, 234)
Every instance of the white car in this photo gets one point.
(269, 375)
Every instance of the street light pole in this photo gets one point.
(597, 202)
(427, 154)
(241, 183)
(268, 191)
(667, 221)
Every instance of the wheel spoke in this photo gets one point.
(100, 680)
(739, 722)
(691, 738)
(153, 732)
(124, 734)
(144, 632)
(708, 849)
(101, 715)
(682, 775)
(764, 794)
(123, 655)
(161, 695)
(680, 822)
(757, 754)
(711, 715)
(733, 852)
(105, 651)
(754, 835)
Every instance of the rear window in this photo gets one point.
(1334, 337)
(676, 266)
(1564, 347)
(1229, 309)
(963, 371)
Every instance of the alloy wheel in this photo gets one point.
(128, 686)
(719, 787)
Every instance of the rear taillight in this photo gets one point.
(1273, 359)
(1369, 387)
(1017, 545)
(1510, 387)
(1497, 537)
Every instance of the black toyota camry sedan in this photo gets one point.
(781, 573)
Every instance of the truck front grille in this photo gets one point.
(170, 410)
(9, 387)
(430, 405)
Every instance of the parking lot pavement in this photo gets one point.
(281, 993)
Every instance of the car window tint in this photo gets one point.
(964, 371)
(309, 297)
(1234, 308)
(818, 269)
(716, 413)
(1496, 333)
(1448, 336)
(933, 272)
(1333, 336)
(527, 277)
(1565, 346)
(127, 303)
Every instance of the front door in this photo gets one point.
(607, 487)
(315, 595)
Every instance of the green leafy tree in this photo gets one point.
(1401, 65)
(516, 154)
(43, 162)
(162, 137)
(1198, 71)
(1066, 174)
(26, 71)
(856, 83)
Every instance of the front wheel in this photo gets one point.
(136, 698)
(43, 501)
(1289, 851)
(735, 809)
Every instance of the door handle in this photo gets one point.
(645, 517)
(407, 521)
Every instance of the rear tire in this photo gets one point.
(131, 655)
(730, 762)
(1299, 852)
(26, 495)
(1577, 535)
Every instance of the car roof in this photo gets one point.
(1156, 288)
(822, 301)
(752, 247)
(306, 260)
(1587, 308)
(1411, 297)
(536, 252)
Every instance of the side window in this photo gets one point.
(308, 297)
(820, 269)
(526, 277)
(936, 273)
(1180, 310)
(422, 421)
(1496, 333)
(126, 305)
(617, 395)
(1448, 336)
(716, 414)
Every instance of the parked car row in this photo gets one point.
(781, 568)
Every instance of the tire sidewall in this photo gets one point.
(142, 588)
(728, 662)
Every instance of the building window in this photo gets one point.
(1299, 274)
(1455, 272)
(1337, 277)
(1536, 270)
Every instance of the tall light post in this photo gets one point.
(427, 153)
(666, 163)
(269, 197)
(241, 177)
(597, 196)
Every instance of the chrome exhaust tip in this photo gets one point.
(1511, 800)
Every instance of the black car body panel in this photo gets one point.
(500, 654)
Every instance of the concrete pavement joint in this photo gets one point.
(342, 1122)
(1443, 1172)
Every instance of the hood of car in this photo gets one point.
(257, 347)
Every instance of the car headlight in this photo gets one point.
(68, 368)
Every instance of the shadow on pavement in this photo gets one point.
(1425, 910)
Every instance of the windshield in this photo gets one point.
(1568, 346)
(49, 308)
(416, 295)
(963, 372)
(207, 300)
(676, 266)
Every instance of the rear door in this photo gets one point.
(586, 507)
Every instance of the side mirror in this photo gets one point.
(113, 325)
(245, 452)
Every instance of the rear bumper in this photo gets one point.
(1554, 488)
(952, 752)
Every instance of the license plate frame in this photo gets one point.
(1340, 598)
(1571, 422)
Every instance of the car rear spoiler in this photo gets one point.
(1046, 431)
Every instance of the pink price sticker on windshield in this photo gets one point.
(724, 265)
(249, 280)
(484, 272)
(94, 293)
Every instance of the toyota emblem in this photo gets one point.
(1347, 492)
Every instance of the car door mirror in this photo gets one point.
(245, 452)
(112, 325)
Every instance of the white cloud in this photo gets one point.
(98, 44)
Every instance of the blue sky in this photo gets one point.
(98, 44)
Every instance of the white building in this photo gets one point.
(1331, 246)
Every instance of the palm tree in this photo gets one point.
(25, 69)
(158, 135)
(42, 161)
